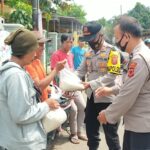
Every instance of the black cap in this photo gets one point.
(90, 29)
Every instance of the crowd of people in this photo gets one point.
(116, 86)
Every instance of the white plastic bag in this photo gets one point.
(69, 81)
(54, 119)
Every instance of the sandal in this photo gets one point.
(74, 139)
(82, 137)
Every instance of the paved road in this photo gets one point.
(62, 143)
(62, 140)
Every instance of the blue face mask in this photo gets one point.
(118, 44)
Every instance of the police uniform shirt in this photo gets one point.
(133, 100)
(95, 65)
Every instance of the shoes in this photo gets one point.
(74, 139)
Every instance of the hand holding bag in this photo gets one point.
(69, 81)
(54, 119)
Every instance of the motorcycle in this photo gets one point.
(64, 101)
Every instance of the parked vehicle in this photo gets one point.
(5, 29)
(64, 102)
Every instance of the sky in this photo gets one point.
(97, 9)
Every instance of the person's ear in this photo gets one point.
(127, 35)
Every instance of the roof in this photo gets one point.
(66, 19)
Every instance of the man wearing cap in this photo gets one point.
(37, 71)
(102, 64)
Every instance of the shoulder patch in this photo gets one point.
(131, 69)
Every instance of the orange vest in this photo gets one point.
(36, 71)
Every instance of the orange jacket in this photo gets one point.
(37, 72)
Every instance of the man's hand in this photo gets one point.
(60, 65)
(103, 91)
(52, 103)
(101, 118)
(86, 85)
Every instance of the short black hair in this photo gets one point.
(131, 25)
(65, 37)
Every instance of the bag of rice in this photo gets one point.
(69, 81)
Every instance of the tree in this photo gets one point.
(107, 28)
(23, 10)
(73, 11)
(49, 7)
(142, 14)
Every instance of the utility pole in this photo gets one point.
(35, 18)
(121, 10)
(2, 7)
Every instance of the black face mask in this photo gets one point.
(118, 44)
(95, 45)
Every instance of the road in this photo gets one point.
(62, 140)
(62, 143)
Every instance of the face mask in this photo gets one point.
(95, 45)
(118, 44)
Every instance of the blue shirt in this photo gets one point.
(78, 56)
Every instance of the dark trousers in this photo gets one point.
(93, 126)
(136, 141)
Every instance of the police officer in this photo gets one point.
(102, 64)
(133, 100)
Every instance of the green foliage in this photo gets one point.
(73, 11)
(22, 13)
(20, 4)
(5, 15)
(142, 14)
(22, 17)
(107, 28)
(103, 21)
(23, 10)
(46, 8)
(49, 7)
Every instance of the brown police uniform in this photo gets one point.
(101, 69)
